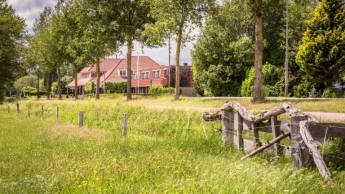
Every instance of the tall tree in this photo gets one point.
(178, 16)
(321, 55)
(223, 53)
(98, 38)
(76, 54)
(40, 52)
(258, 82)
(11, 40)
(131, 16)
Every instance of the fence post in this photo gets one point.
(256, 135)
(227, 131)
(8, 108)
(28, 111)
(300, 153)
(275, 134)
(80, 119)
(17, 105)
(124, 125)
(238, 125)
(57, 113)
(42, 110)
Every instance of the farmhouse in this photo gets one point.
(145, 73)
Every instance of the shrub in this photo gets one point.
(273, 81)
(115, 87)
(89, 88)
(156, 90)
(332, 93)
(29, 91)
(303, 89)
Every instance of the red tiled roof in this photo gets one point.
(109, 66)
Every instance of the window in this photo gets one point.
(146, 75)
(156, 74)
(134, 75)
(123, 72)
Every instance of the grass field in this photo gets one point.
(166, 151)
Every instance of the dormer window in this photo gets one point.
(123, 72)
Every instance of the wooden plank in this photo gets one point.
(275, 134)
(267, 145)
(313, 147)
(237, 107)
(268, 114)
(238, 126)
(328, 130)
(206, 116)
(227, 127)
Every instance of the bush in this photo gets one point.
(156, 90)
(29, 91)
(273, 81)
(115, 87)
(89, 88)
(25, 81)
(332, 93)
(303, 89)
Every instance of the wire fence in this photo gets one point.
(138, 120)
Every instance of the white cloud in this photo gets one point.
(30, 9)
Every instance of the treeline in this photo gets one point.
(223, 57)
(76, 33)
(241, 51)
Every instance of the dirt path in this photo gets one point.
(320, 116)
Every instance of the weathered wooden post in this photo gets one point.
(300, 153)
(42, 111)
(275, 134)
(80, 119)
(256, 135)
(17, 105)
(57, 113)
(238, 126)
(28, 111)
(227, 128)
(124, 125)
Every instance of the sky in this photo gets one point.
(31, 9)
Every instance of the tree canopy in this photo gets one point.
(12, 35)
(321, 54)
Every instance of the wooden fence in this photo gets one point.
(304, 131)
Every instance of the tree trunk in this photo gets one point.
(59, 82)
(47, 84)
(75, 83)
(258, 82)
(286, 75)
(129, 68)
(177, 72)
(98, 78)
(38, 85)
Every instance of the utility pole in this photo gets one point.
(286, 65)
(169, 45)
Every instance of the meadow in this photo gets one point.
(166, 151)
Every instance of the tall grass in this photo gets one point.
(167, 151)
